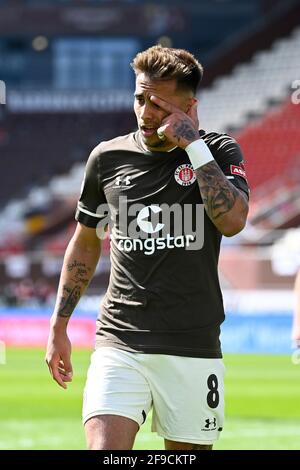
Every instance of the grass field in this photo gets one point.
(262, 396)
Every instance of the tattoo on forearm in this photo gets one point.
(69, 301)
(80, 272)
(79, 276)
(184, 130)
(71, 294)
(217, 193)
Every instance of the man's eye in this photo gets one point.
(140, 100)
(155, 105)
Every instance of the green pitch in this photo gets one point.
(262, 396)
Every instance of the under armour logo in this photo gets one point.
(120, 181)
(210, 422)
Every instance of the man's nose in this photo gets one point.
(147, 111)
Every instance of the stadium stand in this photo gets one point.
(272, 144)
(42, 145)
(45, 172)
(252, 87)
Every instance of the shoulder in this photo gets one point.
(120, 143)
(223, 147)
(218, 140)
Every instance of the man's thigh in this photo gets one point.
(188, 400)
(110, 432)
(117, 399)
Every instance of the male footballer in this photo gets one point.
(157, 338)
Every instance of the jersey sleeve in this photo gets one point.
(229, 157)
(90, 210)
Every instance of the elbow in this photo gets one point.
(234, 227)
(232, 231)
(235, 222)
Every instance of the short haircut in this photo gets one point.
(166, 63)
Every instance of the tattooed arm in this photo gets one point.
(79, 265)
(226, 206)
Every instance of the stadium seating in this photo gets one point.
(40, 145)
(47, 170)
(248, 91)
(271, 145)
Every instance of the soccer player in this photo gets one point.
(157, 339)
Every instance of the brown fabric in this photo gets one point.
(169, 301)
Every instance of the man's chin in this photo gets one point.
(153, 141)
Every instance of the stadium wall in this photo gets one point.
(263, 332)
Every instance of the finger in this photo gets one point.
(168, 107)
(57, 377)
(53, 366)
(193, 114)
(193, 111)
(161, 132)
(67, 366)
(66, 379)
(66, 376)
(61, 368)
(62, 371)
(49, 368)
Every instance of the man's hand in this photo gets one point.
(58, 357)
(178, 127)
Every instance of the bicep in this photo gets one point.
(244, 195)
(92, 206)
(230, 160)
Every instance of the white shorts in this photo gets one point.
(186, 393)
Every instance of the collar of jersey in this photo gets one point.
(142, 146)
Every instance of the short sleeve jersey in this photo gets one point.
(164, 294)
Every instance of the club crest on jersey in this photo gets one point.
(185, 175)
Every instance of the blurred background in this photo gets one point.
(65, 66)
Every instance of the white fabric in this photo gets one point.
(129, 384)
(89, 212)
(199, 153)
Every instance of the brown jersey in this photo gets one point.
(164, 294)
